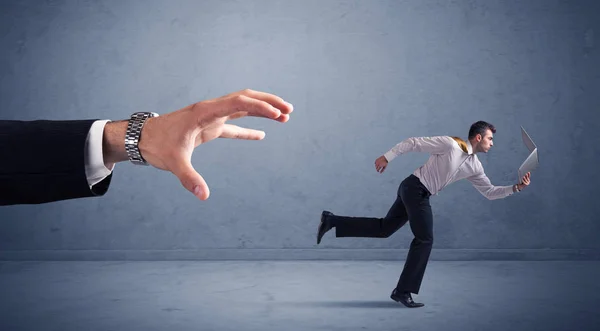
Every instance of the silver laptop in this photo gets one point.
(532, 161)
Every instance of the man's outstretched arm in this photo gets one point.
(483, 184)
(166, 142)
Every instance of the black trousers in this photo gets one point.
(412, 204)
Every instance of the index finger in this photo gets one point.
(272, 99)
(241, 105)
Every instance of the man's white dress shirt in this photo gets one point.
(447, 164)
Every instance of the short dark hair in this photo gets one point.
(480, 127)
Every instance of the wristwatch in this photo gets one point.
(133, 136)
(517, 188)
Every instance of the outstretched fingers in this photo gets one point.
(241, 106)
(254, 103)
(273, 100)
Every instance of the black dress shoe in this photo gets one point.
(405, 298)
(324, 226)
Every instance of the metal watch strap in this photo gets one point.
(133, 135)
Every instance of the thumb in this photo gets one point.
(191, 180)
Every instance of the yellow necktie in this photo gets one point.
(462, 144)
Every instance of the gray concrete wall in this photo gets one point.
(362, 75)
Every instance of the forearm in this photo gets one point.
(499, 192)
(483, 184)
(45, 161)
(113, 143)
(402, 147)
(43, 146)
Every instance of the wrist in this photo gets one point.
(113, 143)
(146, 142)
(136, 137)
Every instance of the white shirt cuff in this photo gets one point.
(95, 170)
(389, 155)
(509, 190)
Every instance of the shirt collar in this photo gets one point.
(469, 148)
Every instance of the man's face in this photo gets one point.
(487, 141)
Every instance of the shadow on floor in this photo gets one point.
(344, 304)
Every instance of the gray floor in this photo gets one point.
(296, 295)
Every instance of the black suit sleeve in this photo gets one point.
(43, 161)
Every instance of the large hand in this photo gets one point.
(168, 141)
(380, 164)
